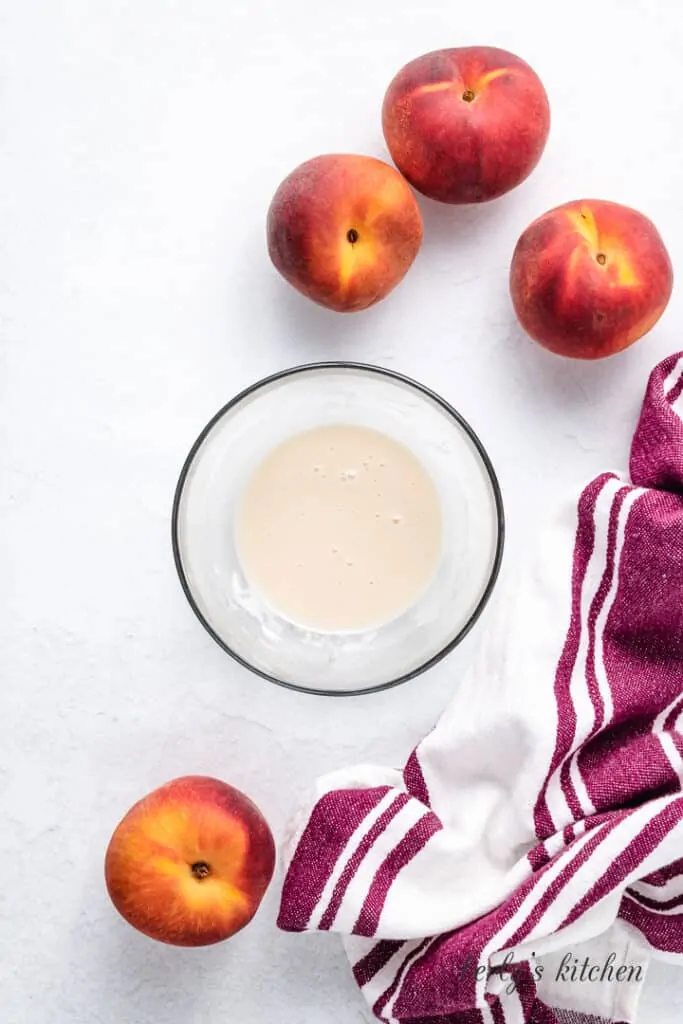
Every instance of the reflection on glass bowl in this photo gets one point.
(210, 494)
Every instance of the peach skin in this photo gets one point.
(344, 230)
(466, 125)
(190, 863)
(590, 278)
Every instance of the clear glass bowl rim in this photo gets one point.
(426, 392)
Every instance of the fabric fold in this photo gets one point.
(528, 859)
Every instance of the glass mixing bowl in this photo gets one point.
(207, 499)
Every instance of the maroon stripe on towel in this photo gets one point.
(526, 987)
(497, 1011)
(517, 976)
(658, 905)
(673, 715)
(543, 1014)
(665, 875)
(626, 764)
(641, 846)
(418, 1000)
(563, 878)
(657, 449)
(357, 858)
(388, 993)
(453, 960)
(373, 962)
(465, 1017)
(566, 714)
(335, 818)
(590, 672)
(662, 931)
(538, 857)
(412, 843)
(677, 739)
(597, 605)
(676, 391)
(414, 780)
(569, 790)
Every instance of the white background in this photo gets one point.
(142, 141)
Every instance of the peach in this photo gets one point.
(190, 863)
(466, 125)
(344, 230)
(590, 278)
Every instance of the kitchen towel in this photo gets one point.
(528, 859)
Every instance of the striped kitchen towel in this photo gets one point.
(528, 860)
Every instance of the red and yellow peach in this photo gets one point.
(343, 230)
(590, 278)
(466, 125)
(190, 863)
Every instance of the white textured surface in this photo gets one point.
(141, 144)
